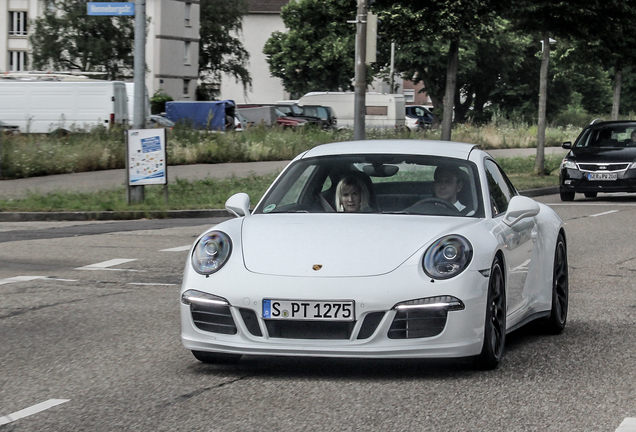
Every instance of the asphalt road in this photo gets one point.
(89, 337)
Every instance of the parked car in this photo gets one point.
(411, 277)
(286, 121)
(602, 159)
(327, 116)
(293, 110)
(159, 121)
(418, 117)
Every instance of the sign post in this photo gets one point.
(146, 159)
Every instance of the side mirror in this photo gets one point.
(238, 204)
(520, 207)
(566, 145)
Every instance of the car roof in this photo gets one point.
(612, 123)
(452, 149)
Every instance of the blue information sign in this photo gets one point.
(104, 8)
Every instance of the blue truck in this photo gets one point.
(208, 115)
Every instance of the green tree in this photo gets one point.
(561, 19)
(439, 21)
(317, 53)
(66, 38)
(220, 49)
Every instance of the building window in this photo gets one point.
(186, 87)
(409, 95)
(187, 14)
(17, 61)
(186, 54)
(17, 23)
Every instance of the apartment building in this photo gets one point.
(172, 44)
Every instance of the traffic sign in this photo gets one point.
(107, 8)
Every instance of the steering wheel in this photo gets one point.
(438, 201)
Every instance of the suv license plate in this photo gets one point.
(308, 310)
(602, 176)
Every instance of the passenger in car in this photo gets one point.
(448, 183)
(352, 195)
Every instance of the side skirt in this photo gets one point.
(529, 318)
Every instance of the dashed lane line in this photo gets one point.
(177, 249)
(604, 213)
(628, 425)
(151, 284)
(31, 410)
(19, 279)
(106, 265)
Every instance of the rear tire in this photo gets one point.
(560, 291)
(216, 358)
(495, 328)
(567, 196)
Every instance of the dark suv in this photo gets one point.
(602, 159)
(324, 113)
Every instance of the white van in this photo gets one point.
(382, 110)
(46, 106)
(130, 92)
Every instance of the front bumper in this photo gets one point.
(571, 180)
(378, 331)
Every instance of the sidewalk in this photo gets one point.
(100, 180)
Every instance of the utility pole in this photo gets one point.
(136, 194)
(361, 72)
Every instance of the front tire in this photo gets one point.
(495, 327)
(216, 358)
(567, 196)
(560, 290)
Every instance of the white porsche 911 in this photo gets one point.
(377, 249)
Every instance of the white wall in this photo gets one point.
(257, 29)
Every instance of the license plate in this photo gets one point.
(602, 176)
(308, 310)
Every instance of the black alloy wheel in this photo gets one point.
(560, 291)
(216, 358)
(495, 328)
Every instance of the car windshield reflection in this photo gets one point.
(377, 184)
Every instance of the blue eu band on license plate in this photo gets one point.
(308, 310)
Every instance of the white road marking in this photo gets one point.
(107, 264)
(31, 410)
(150, 284)
(176, 249)
(19, 279)
(628, 425)
(604, 213)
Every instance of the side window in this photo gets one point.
(500, 189)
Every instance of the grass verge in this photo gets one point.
(212, 194)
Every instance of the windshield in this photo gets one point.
(395, 184)
(608, 136)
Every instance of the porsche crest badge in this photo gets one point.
(317, 267)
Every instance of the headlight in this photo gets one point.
(211, 252)
(447, 257)
(568, 164)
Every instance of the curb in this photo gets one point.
(169, 214)
(110, 215)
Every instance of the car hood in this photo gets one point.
(604, 154)
(344, 245)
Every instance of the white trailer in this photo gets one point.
(47, 106)
(382, 110)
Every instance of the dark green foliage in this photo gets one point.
(158, 102)
(220, 50)
(317, 53)
(66, 38)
